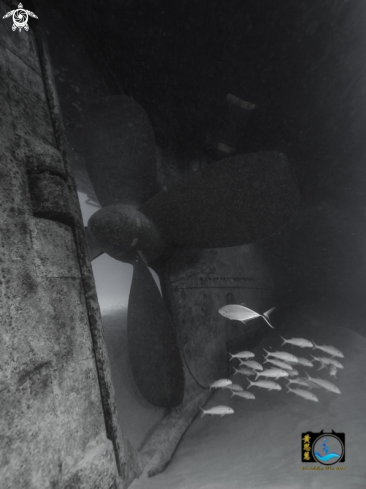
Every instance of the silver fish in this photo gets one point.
(219, 410)
(301, 342)
(251, 364)
(325, 384)
(220, 383)
(305, 362)
(305, 394)
(322, 364)
(272, 372)
(299, 381)
(330, 350)
(241, 313)
(280, 364)
(327, 361)
(313, 385)
(244, 394)
(282, 355)
(242, 354)
(293, 373)
(302, 361)
(266, 384)
(333, 371)
(244, 371)
(335, 363)
(292, 362)
(234, 387)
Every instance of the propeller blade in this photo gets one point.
(232, 202)
(119, 151)
(154, 354)
(94, 249)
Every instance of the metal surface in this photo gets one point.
(119, 150)
(235, 201)
(153, 348)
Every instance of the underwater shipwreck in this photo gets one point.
(182, 244)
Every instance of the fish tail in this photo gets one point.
(284, 341)
(250, 383)
(232, 393)
(231, 355)
(267, 313)
(267, 353)
(267, 321)
(236, 371)
(308, 376)
(257, 375)
(203, 412)
(288, 389)
(315, 345)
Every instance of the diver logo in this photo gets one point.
(20, 18)
(324, 448)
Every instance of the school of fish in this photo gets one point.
(282, 366)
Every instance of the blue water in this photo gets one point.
(326, 457)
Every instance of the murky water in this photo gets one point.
(137, 416)
(259, 446)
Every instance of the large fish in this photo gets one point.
(325, 384)
(220, 383)
(280, 364)
(241, 313)
(244, 394)
(305, 394)
(244, 371)
(276, 373)
(282, 355)
(234, 387)
(242, 354)
(330, 350)
(219, 410)
(301, 342)
(251, 364)
(266, 384)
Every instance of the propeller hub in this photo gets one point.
(120, 229)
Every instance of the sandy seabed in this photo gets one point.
(259, 446)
